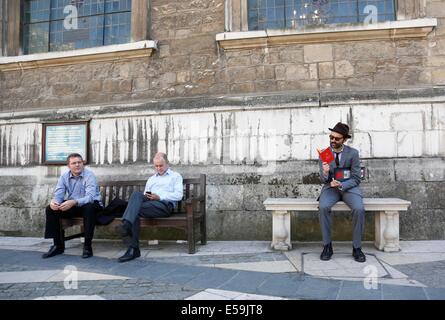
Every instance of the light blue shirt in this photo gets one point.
(83, 188)
(168, 186)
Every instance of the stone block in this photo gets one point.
(383, 144)
(372, 118)
(64, 89)
(254, 196)
(409, 143)
(420, 170)
(205, 77)
(318, 53)
(313, 71)
(362, 82)
(225, 197)
(241, 74)
(92, 86)
(326, 70)
(360, 50)
(408, 121)
(316, 120)
(365, 67)
(141, 84)
(301, 147)
(434, 143)
(380, 171)
(333, 84)
(296, 72)
(291, 55)
(362, 142)
(343, 69)
(239, 225)
(438, 76)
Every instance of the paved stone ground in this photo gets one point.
(221, 271)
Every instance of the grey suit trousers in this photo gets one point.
(331, 196)
(140, 206)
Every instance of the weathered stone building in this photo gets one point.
(228, 89)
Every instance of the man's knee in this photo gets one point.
(49, 211)
(89, 209)
(358, 210)
(136, 194)
(323, 208)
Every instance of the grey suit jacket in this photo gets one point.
(349, 159)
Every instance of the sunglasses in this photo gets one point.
(335, 138)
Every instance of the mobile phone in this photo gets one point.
(147, 192)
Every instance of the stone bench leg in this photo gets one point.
(281, 230)
(387, 231)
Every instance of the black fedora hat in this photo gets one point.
(341, 128)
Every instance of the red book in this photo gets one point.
(326, 155)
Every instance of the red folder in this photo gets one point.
(326, 155)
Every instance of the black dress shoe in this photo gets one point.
(87, 252)
(132, 253)
(327, 252)
(358, 255)
(125, 229)
(53, 251)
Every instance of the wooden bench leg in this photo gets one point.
(281, 230)
(203, 231)
(191, 234)
(387, 231)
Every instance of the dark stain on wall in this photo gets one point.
(312, 178)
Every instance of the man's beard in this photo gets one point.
(336, 145)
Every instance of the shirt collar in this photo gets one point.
(168, 172)
(80, 175)
(341, 151)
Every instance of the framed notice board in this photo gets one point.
(63, 138)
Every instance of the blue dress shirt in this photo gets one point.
(83, 188)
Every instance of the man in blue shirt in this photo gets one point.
(76, 195)
(162, 192)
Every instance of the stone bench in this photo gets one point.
(190, 214)
(386, 219)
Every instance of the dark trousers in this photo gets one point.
(140, 206)
(53, 226)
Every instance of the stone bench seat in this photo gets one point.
(386, 219)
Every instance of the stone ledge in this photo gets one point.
(417, 28)
(99, 54)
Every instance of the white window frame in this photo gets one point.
(410, 23)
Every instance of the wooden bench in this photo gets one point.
(190, 214)
(386, 220)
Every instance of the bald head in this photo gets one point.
(160, 162)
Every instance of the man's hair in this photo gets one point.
(161, 155)
(73, 155)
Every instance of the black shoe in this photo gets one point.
(132, 253)
(87, 252)
(358, 255)
(327, 252)
(53, 251)
(125, 229)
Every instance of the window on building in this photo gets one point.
(60, 25)
(294, 14)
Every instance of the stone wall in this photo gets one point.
(189, 63)
(250, 149)
(250, 119)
